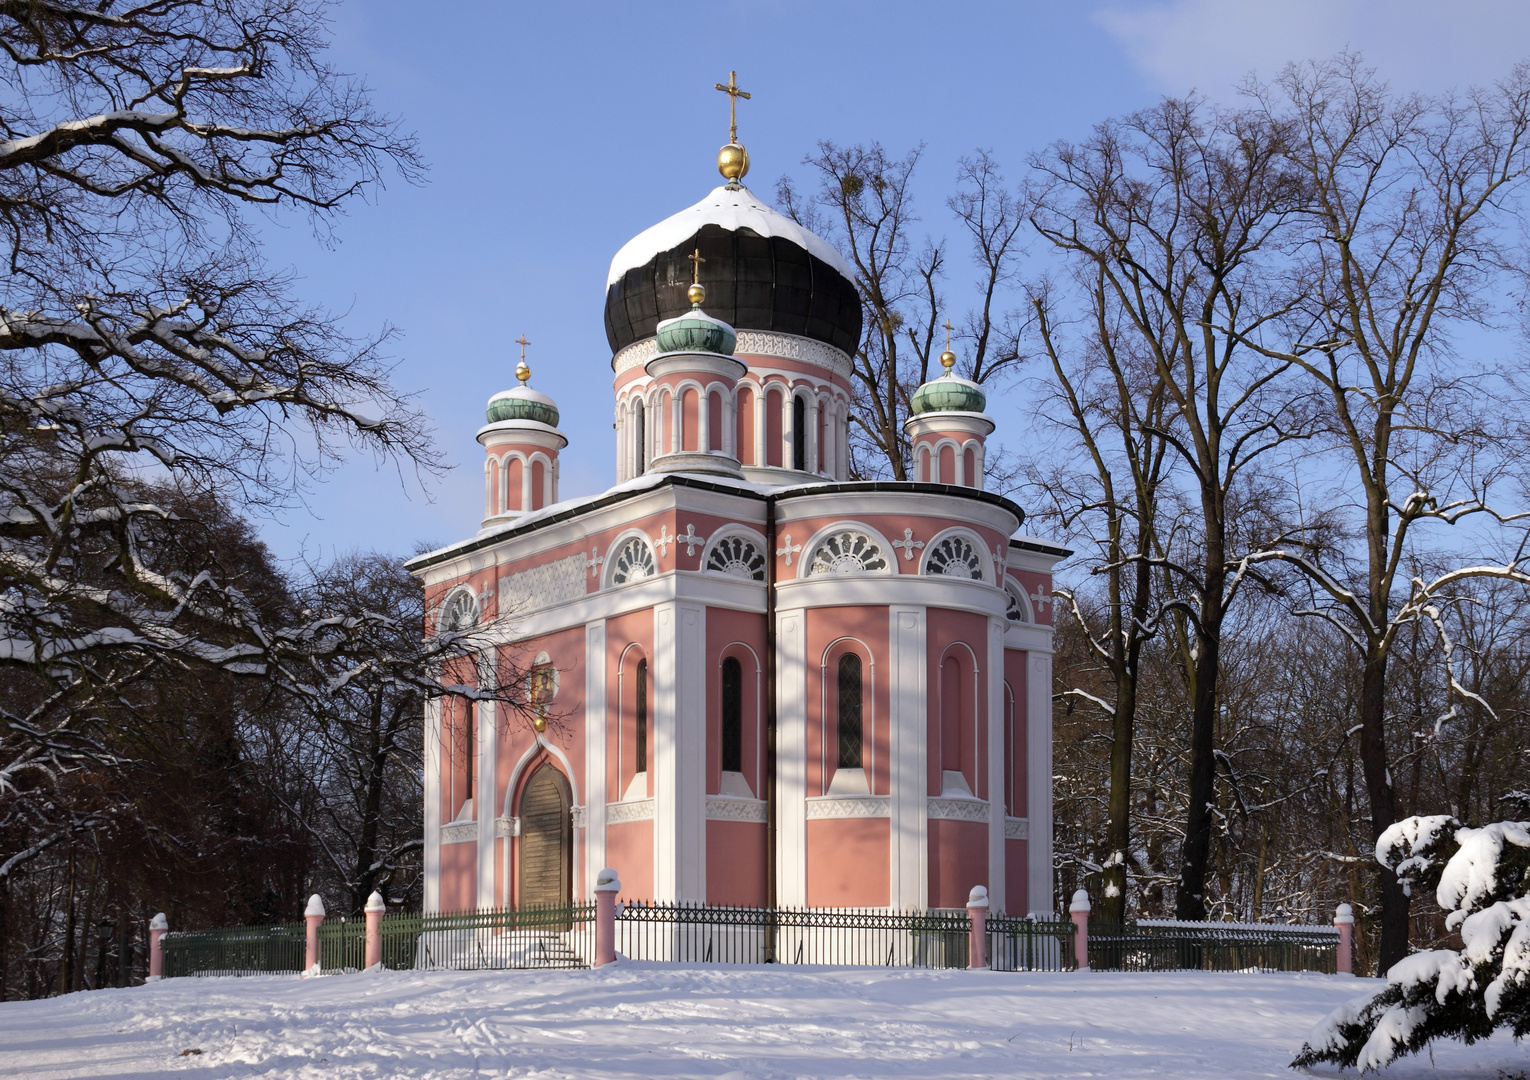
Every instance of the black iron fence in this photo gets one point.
(1166, 946)
(240, 950)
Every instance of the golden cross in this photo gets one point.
(696, 260)
(734, 93)
(948, 335)
(522, 342)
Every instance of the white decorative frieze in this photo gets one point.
(581, 818)
(632, 810)
(792, 347)
(639, 352)
(556, 582)
(507, 826)
(723, 808)
(459, 832)
(849, 806)
(1017, 828)
(958, 809)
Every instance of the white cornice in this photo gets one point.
(750, 343)
(830, 590)
(903, 504)
(633, 810)
(958, 809)
(1017, 828)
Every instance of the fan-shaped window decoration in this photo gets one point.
(1014, 610)
(737, 557)
(460, 612)
(955, 556)
(634, 562)
(847, 553)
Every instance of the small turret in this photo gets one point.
(948, 427)
(522, 441)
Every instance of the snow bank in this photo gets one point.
(635, 1020)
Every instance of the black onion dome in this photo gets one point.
(763, 271)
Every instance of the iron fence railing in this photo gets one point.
(1211, 947)
(491, 938)
(1029, 944)
(240, 950)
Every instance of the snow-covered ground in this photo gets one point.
(638, 1020)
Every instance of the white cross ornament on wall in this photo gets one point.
(1040, 597)
(789, 549)
(594, 561)
(908, 544)
(663, 540)
(998, 560)
(690, 540)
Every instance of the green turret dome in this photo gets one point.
(522, 403)
(948, 394)
(696, 331)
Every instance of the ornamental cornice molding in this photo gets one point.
(634, 810)
(1017, 828)
(958, 809)
(849, 806)
(723, 808)
(459, 832)
(580, 815)
(761, 343)
(507, 826)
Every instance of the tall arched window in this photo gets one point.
(732, 715)
(799, 433)
(849, 712)
(640, 441)
(641, 754)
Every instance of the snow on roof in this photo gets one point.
(732, 207)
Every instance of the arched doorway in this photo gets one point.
(547, 840)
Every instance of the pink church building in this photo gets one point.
(763, 683)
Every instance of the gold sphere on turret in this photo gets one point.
(947, 360)
(697, 294)
(733, 162)
(522, 372)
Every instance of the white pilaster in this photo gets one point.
(486, 800)
(1038, 785)
(433, 805)
(996, 811)
(791, 757)
(690, 777)
(662, 755)
(594, 752)
(908, 663)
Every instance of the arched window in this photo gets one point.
(641, 754)
(969, 468)
(849, 712)
(640, 441)
(799, 433)
(732, 715)
(745, 417)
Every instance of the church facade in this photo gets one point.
(755, 680)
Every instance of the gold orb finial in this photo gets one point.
(522, 372)
(947, 360)
(733, 162)
(697, 295)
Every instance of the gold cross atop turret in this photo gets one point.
(734, 93)
(733, 159)
(697, 293)
(948, 358)
(522, 372)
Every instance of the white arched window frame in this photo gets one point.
(967, 725)
(979, 547)
(738, 650)
(1017, 602)
(614, 562)
(823, 536)
(722, 546)
(977, 448)
(626, 676)
(828, 679)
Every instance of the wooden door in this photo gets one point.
(547, 841)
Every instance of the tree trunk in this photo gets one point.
(1190, 902)
(1393, 945)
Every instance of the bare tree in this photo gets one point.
(1409, 210)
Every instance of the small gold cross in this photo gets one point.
(522, 342)
(734, 93)
(948, 335)
(696, 260)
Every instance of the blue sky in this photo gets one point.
(556, 131)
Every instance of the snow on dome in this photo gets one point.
(732, 207)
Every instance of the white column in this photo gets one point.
(490, 482)
(810, 417)
(1038, 781)
(433, 805)
(676, 422)
(594, 752)
(788, 428)
(791, 757)
(486, 799)
(662, 754)
(691, 750)
(759, 424)
(730, 423)
(908, 663)
(526, 485)
(621, 441)
(995, 882)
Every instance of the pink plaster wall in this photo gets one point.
(1016, 880)
(958, 860)
(1014, 676)
(459, 876)
(735, 863)
(745, 415)
(628, 639)
(629, 851)
(847, 862)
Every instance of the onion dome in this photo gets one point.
(948, 393)
(696, 331)
(522, 402)
(762, 271)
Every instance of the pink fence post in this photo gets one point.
(313, 914)
(1344, 919)
(607, 885)
(1078, 911)
(157, 927)
(374, 909)
(977, 912)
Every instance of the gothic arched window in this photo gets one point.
(641, 753)
(799, 434)
(732, 715)
(849, 712)
(640, 440)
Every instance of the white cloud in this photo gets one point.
(1210, 45)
